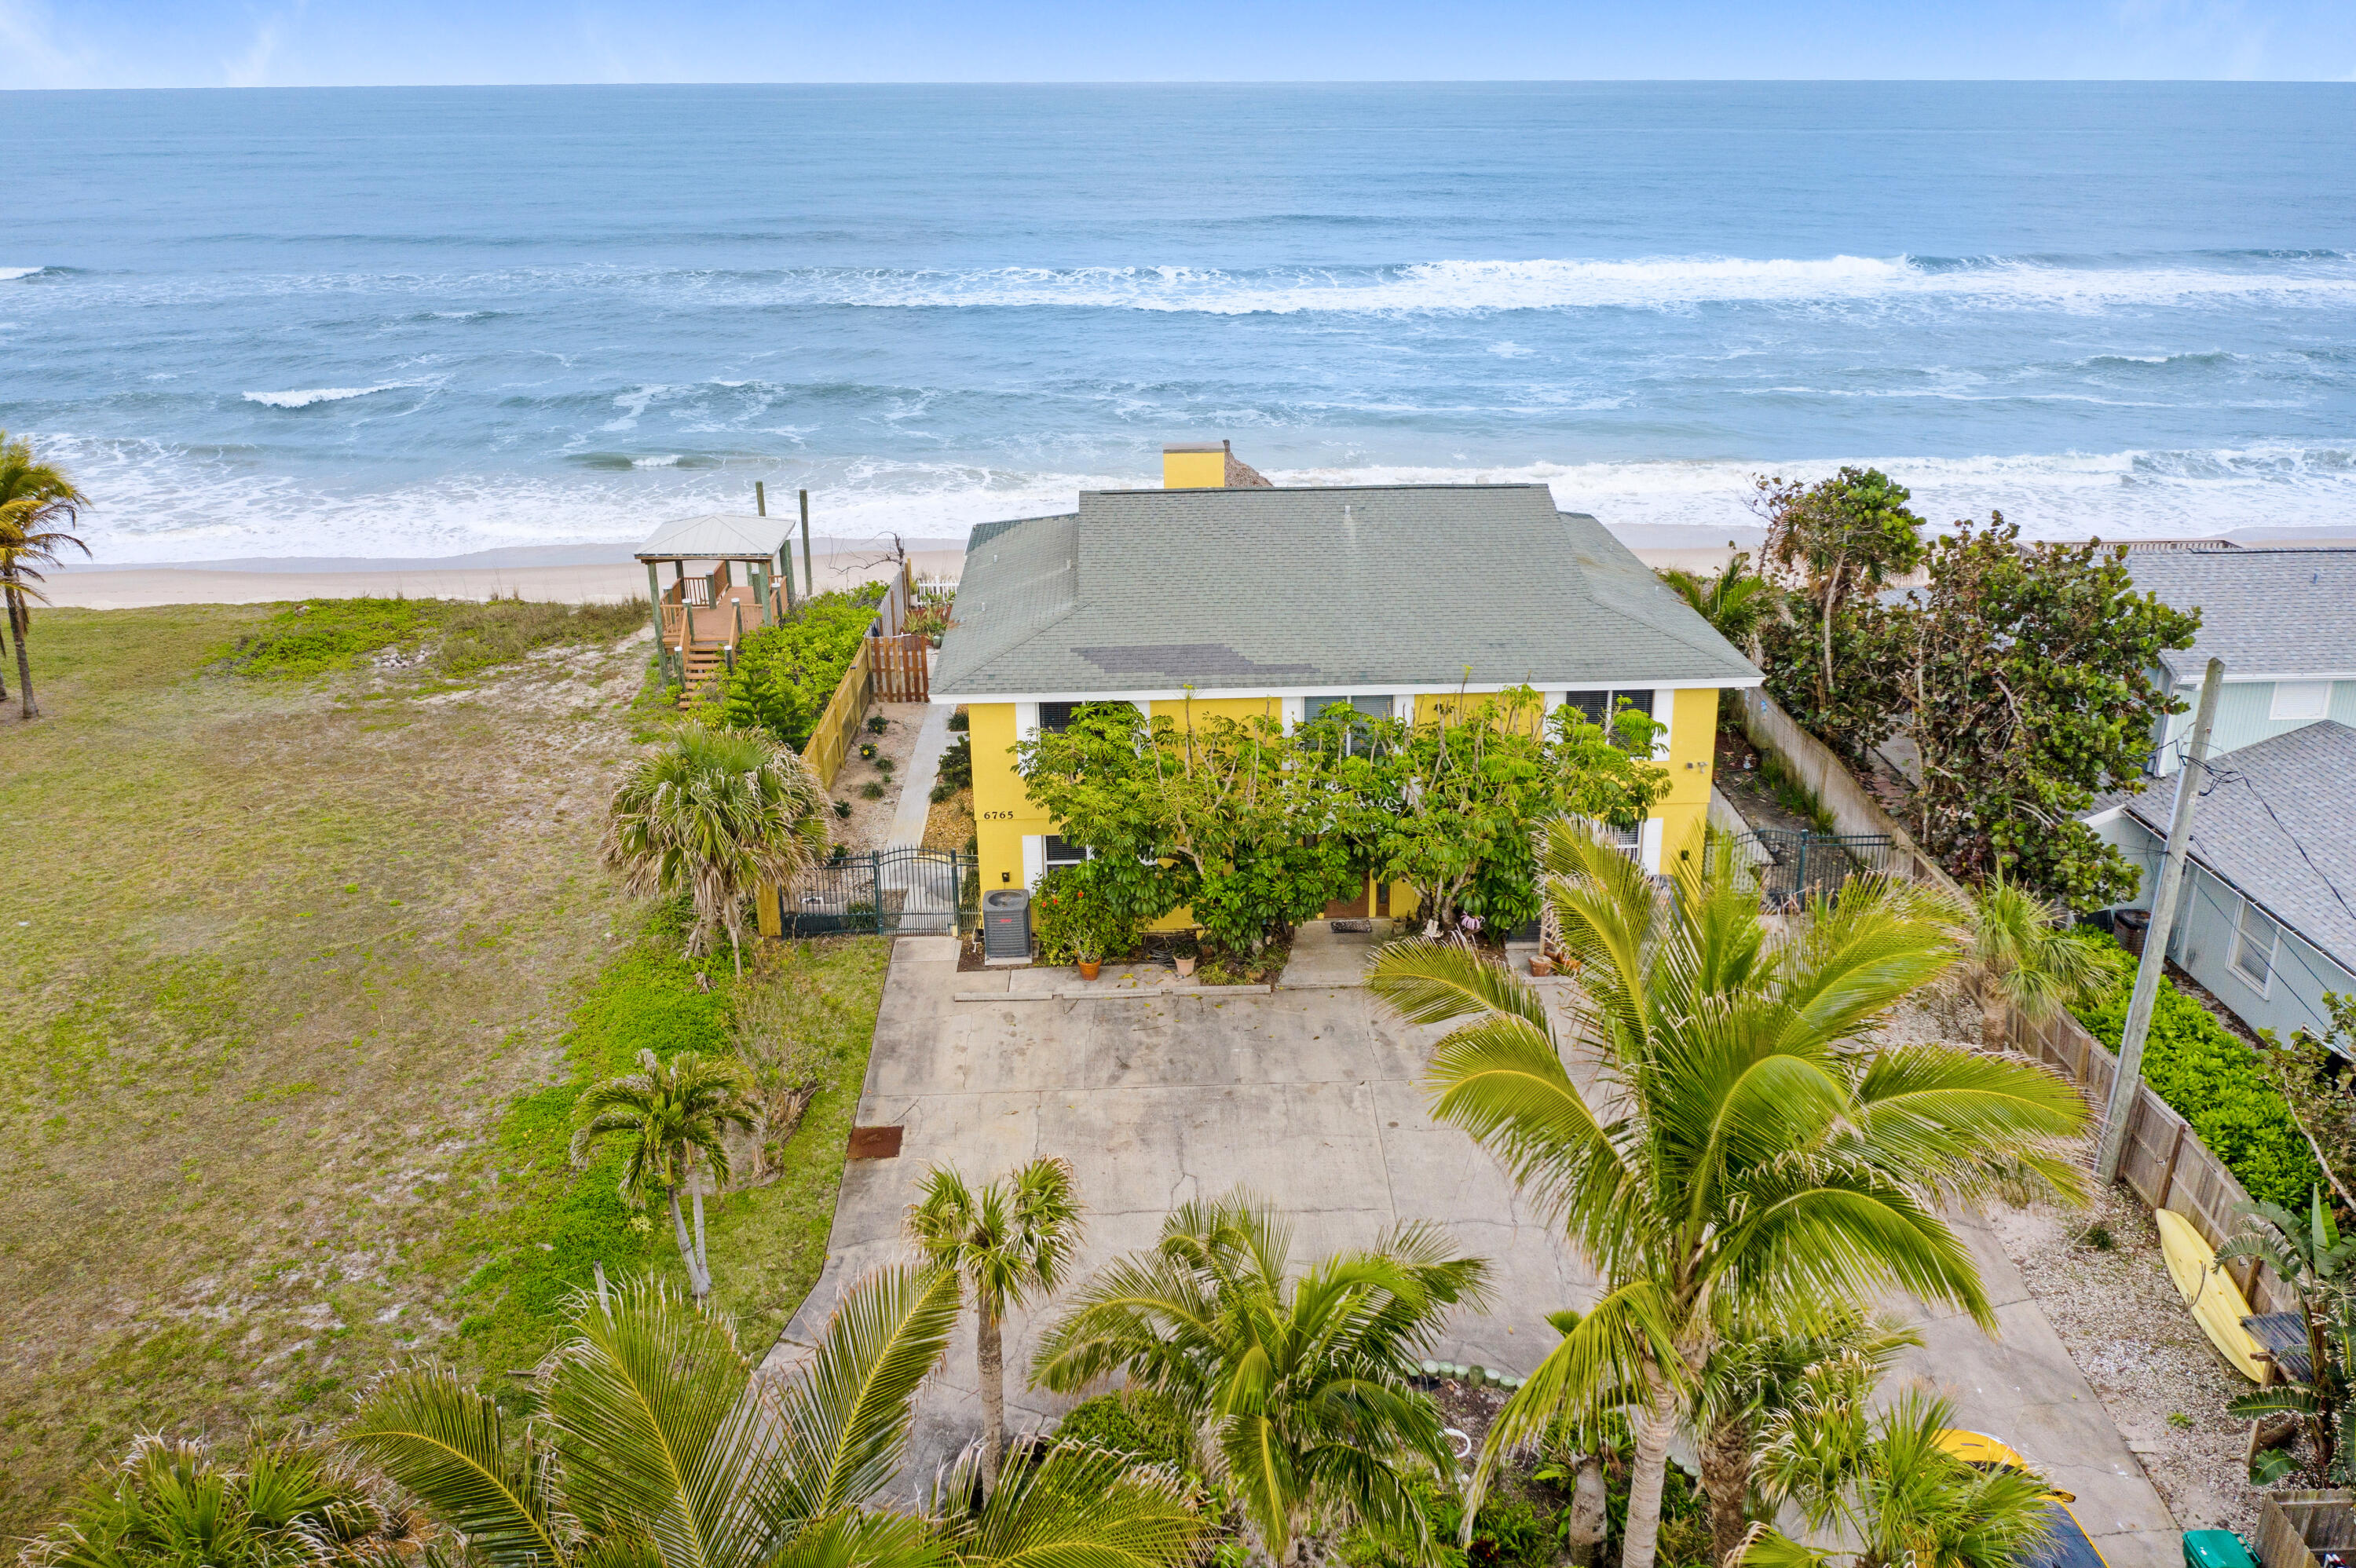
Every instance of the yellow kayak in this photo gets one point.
(2216, 1301)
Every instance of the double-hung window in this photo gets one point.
(2256, 939)
(1604, 707)
(1368, 709)
(1062, 851)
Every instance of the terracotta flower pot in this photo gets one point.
(1089, 966)
(1185, 967)
(1541, 966)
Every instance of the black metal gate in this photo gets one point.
(886, 891)
(1793, 868)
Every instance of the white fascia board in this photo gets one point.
(1202, 694)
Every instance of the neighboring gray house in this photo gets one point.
(2283, 620)
(2268, 920)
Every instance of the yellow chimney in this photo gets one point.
(1195, 467)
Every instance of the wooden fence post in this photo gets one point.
(2168, 1177)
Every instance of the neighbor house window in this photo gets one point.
(2300, 701)
(2255, 937)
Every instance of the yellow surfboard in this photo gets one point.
(2216, 1301)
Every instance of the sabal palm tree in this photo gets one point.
(1299, 1384)
(714, 815)
(2018, 956)
(1883, 1486)
(675, 1115)
(660, 1448)
(1007, 1241)
(37, 505)
(1757, 1374)
(281, 1503)
(1748, 1153)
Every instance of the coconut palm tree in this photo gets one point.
(37, 503)
(1299, 1384)
(714, 815)
(1884, 1486)
(657, 1447)
(1007, 1241)
(675, 1115)
(2020, 957)
(1748, 1153)
(284, 1502)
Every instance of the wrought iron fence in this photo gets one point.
(887, 891)
(1794, 867)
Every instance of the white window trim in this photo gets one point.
(1026, 721)
(2274, 951)
(1663, 698)
(1648, 855)
(1296, 712)
(2279, 711)
(1034, 859)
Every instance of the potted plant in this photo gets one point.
(1184, 955)
(1541, 964)
(1091, 962)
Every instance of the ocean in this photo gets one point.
(425, 321)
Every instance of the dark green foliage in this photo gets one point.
(786, 674)
(444, 636)
(875, 723)
(1685, 1517)
(2098, 1237)
(2216, 1083)
(1132, 1420)
(871, 790)
(957, 765)
(959, 721)
(1834, 545)
(1508, 1532)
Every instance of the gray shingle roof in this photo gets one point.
(1327, 589)
(716, 536)
(2276, 825)
(2263, 611)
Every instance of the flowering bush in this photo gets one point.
(1074, 919)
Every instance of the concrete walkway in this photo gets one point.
(1310, 1096)
(916, 802)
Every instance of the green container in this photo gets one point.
(2215, 1548)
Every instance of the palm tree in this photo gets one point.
(1734, 600)
(1298, 1385)
(1751, 1379)
(714, 815)
(1010, 1240)
(1891, 1492)
(675, 1114)
(1755, 1159)
(284, 1503)
(658, 1447)
(2018, 956)
(37, 503)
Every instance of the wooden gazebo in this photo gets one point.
(742, 580)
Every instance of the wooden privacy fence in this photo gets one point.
(2295, 1527)
(2162, 1158)
(838, 728)
(903, 674)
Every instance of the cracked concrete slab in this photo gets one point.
(1310, 1097)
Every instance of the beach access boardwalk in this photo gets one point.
(1159, 1092)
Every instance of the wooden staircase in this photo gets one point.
(706, 662)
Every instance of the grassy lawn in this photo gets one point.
(299, 972)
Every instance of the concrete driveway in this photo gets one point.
(1158, 1093)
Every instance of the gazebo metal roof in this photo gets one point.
(716, 536)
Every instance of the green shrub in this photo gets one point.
(786, 674)
(1132, 1420)
(957, 765)
(447, 636)
(1508, 1532)
(2216, 1083)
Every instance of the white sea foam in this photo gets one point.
(161, 503)
(304, 399)
(10, 274)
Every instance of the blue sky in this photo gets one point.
(296, 43)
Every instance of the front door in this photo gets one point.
(1349, 908)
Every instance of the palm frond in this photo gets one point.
(447, 1445)
(1074, 1507)
(846, 1415)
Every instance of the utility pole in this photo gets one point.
(2189, 780)
(809, 576)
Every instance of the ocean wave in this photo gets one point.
(1459, 287)
(10, 274)
(159, 502)
(304, 399)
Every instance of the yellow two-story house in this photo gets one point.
(1222, 594)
